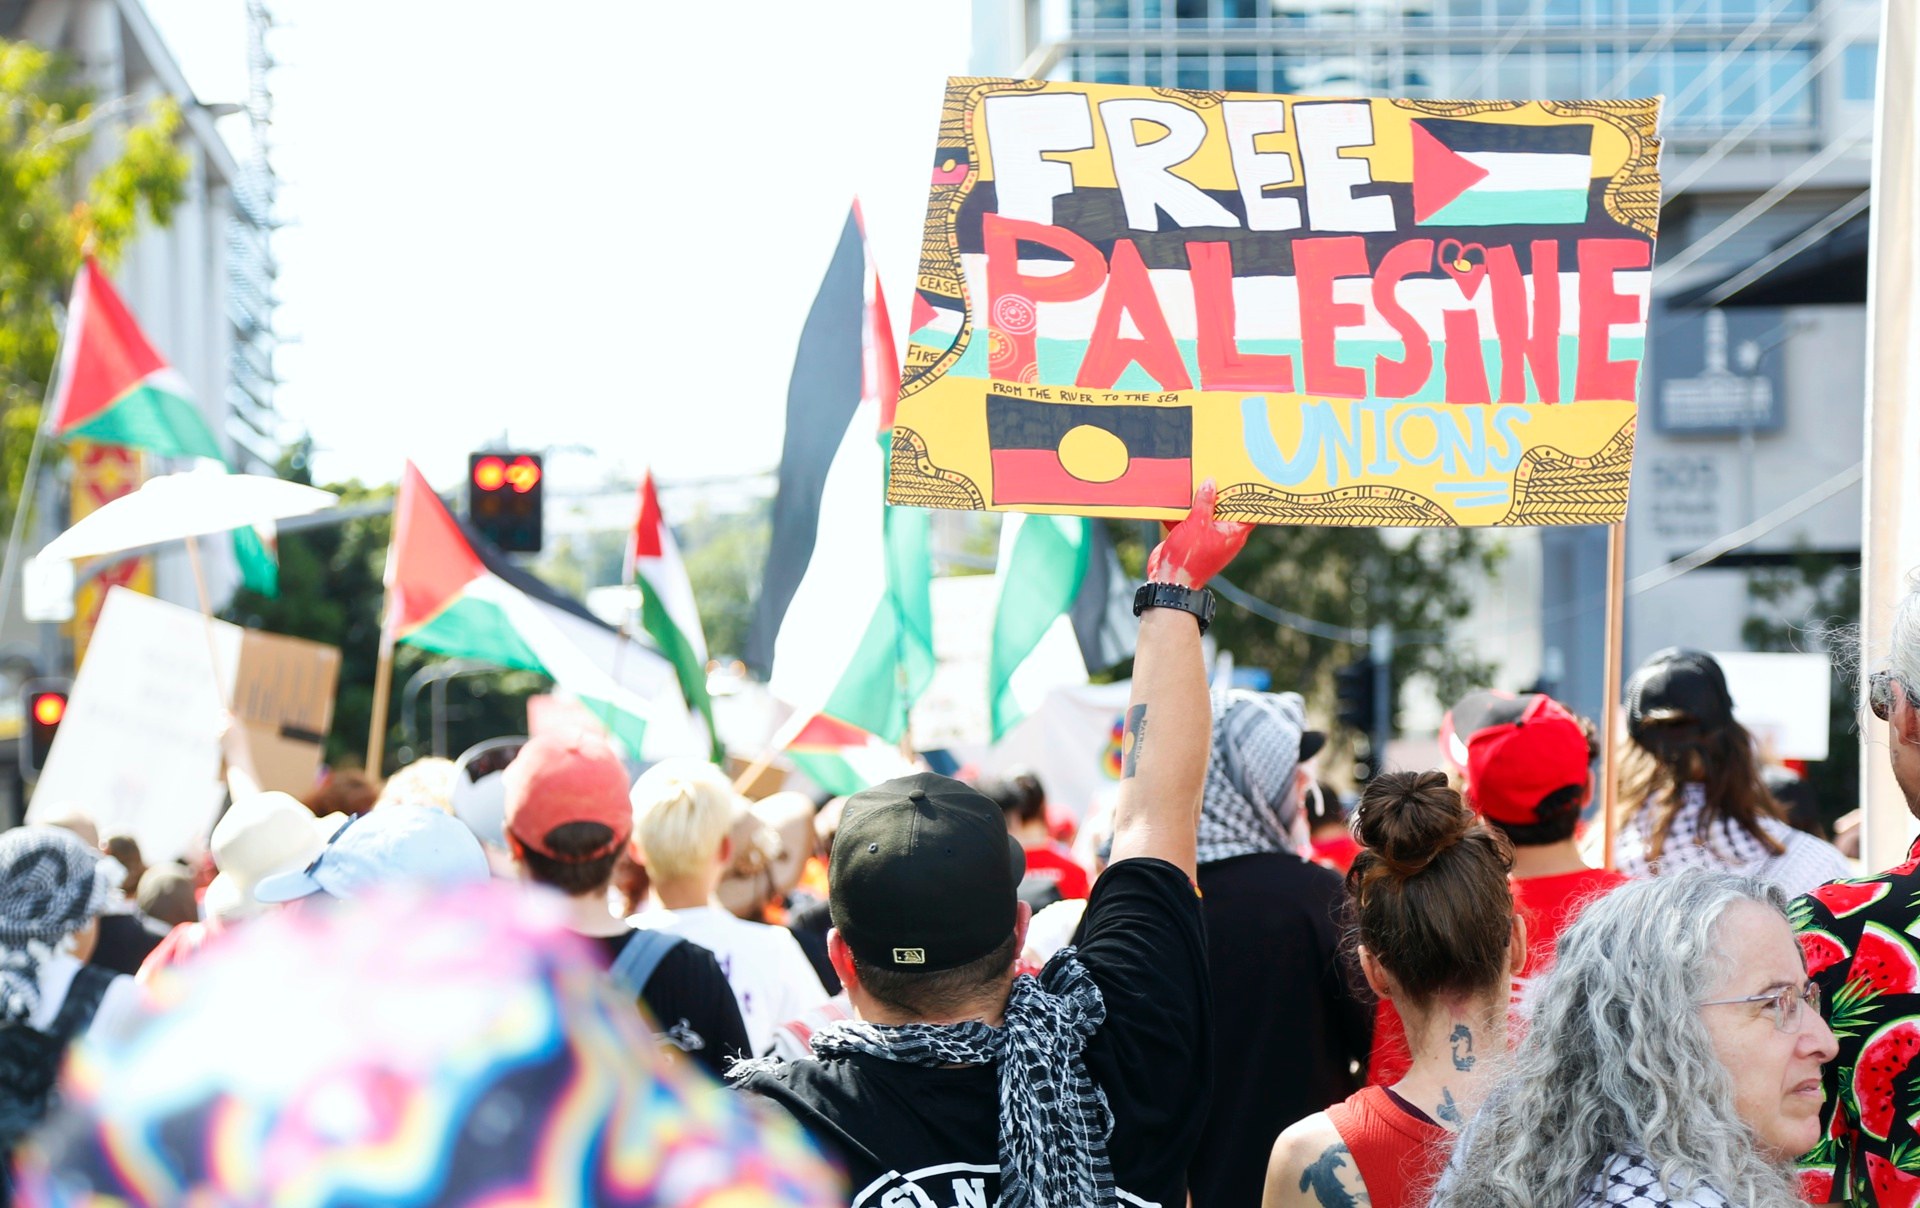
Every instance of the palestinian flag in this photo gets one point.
(450, 593)
(667, 614)
(1061, 586)
(845, 619)
(114, 389)
(1488, 174)
(841, 758)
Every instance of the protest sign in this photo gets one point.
(1351, 312)
(139, 748)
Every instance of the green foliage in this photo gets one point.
(47, 125)
(1421, 583)
(331, 591)
(1808, 606)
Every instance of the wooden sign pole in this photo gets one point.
(1610, 707)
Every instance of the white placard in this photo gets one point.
(1782, 699)
(138, 751)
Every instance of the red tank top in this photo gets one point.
(1399, 1157)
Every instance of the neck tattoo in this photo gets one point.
(1446, 1112)
(1462, 1040)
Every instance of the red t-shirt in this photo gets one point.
(1063, 870)
(1549, 904)
(1337, 853)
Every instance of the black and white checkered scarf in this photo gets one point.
(1248, 804)
(51, 884)
(1054, 1120)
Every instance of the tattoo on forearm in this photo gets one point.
(1334, 1180)
(1462, 1047)
(1132, 740)
(1447, 1112)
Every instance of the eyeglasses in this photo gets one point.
(1785, 1002)
(1880, 694)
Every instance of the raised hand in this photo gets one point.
(1198, 547)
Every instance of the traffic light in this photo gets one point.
(504, 497)
(1353, 687)
(43, 705)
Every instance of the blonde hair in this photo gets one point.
(682, 810)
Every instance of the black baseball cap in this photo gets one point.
(924, 875)
(1680, 685)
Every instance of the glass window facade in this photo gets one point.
(1720, 63)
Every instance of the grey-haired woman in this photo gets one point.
(1673, 1058)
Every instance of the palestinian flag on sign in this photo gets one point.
(112, 388)
(1494, 174)
(449, 593)
(667, 613)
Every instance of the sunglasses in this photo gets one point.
(1880, 694)
(1786, 1004)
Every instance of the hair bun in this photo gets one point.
(1408, 818)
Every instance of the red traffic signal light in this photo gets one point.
(504, 499)
(44, 705)
(489, 473)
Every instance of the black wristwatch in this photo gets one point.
(1196, 600)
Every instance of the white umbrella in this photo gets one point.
(176, 507)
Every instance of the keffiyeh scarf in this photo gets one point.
(1054, 1121)
(50, 885)
(1632, 1180)
(1248, 805)
(1690, 844)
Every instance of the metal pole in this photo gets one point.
(1380, 654)
(439, 714)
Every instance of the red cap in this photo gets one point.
(556, 780)
(1513, 765)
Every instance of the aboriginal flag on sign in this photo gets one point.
(1076, 453)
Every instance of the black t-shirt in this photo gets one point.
(899, 1126)
(688, 997)
(1286, 1022)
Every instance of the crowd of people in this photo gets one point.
(1231, 990)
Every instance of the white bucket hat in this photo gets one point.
(259, 836)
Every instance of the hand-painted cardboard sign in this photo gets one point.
(1355, 312)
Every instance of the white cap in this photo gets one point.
(389, 845)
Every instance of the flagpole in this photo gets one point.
(30, 484)
(29, 490)
(382, 688)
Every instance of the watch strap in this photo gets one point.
(1195, 600)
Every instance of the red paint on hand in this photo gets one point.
(1198, 547)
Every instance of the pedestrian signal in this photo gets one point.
(504, 499)
(43, 704)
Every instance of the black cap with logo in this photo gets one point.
(924, 875)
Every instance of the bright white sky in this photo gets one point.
(581, 222)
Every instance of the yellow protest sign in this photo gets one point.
(1353, 312)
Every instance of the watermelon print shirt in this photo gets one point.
(1858, 937)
